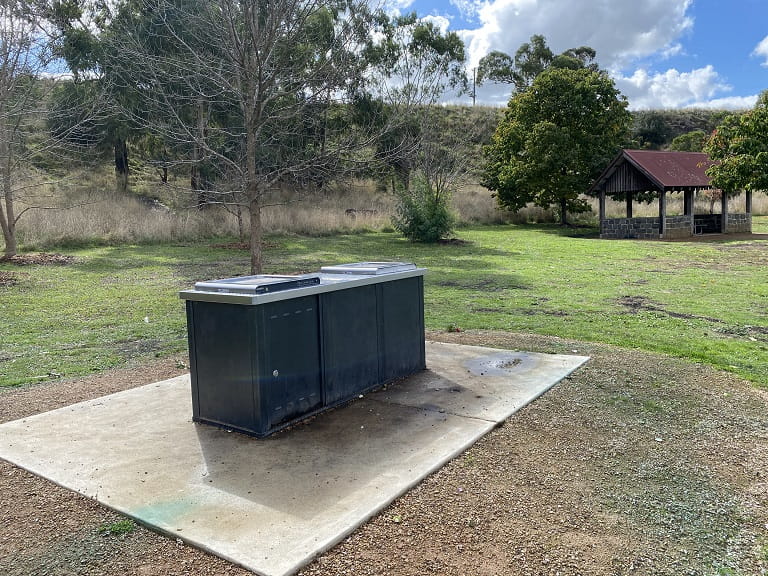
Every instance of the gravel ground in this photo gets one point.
(636, 464)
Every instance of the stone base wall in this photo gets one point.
(639, 228)
(674, 226)
(739, 224)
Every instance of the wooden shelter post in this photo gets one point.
(724, 211)
(662, 212)
(748, 201)
(629, 204)
(688, 209)
(602, 209)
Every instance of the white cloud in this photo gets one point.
(629, 37)
(441, 22)
(620, 31)
(674, 89)
(761, 50)
(729, 103)
(468, 9)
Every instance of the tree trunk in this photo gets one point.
(255, 214)
(9, 226)
(563, 212)
(8, 217)
(121, 165)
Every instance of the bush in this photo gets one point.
(423, 214)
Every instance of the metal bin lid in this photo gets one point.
(259, 284)
(368, 268)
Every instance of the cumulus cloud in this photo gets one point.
(632, 40)
(620, 31)
(671, 89)
(761, 50)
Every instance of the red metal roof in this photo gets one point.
(672, 170)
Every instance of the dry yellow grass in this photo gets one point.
(93, 214)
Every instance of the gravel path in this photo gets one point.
(636, 464)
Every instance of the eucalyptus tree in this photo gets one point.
(77, 28)
(418, 64)
(530, 60)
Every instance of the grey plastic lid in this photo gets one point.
(368, 268)
(259, 284)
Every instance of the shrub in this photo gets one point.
(423, 213)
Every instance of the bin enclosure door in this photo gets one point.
(289, 366)
(350, 343)
(221, 349)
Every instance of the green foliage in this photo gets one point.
(530, 60)
(690, 142)
(119, 528)
(656, 129)
(739, 148)
(423, 213)
(555, 138)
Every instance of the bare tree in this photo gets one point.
(24, 58)
(259, 91)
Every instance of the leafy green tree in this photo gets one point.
(554, 140)
(739, 148)
(530, 60)
(690, 142)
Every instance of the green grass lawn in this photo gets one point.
(705, 301)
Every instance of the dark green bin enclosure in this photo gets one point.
(267, 351)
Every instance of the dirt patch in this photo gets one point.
(8, 279)
(637, 304)
(243, 245)
(636, 464)
(40, 259)
(484, 284)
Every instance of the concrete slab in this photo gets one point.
(273, 504)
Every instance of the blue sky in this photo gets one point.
(661, 53)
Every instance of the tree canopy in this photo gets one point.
(555, 138)
(530, 60)
(739, 149)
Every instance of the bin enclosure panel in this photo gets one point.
(401, 327)
(262, 361)
(350, 343)
(290, 358)
(221, 347)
